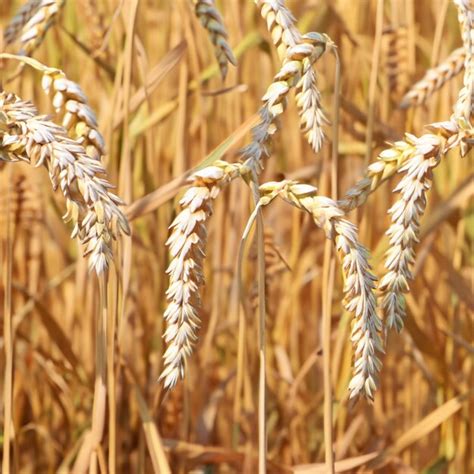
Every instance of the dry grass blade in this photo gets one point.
(212, 21)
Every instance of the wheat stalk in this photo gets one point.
(32, 22)
(434, 79)
(359, 284)
(187, 249)
(212, 21)
(91, 207)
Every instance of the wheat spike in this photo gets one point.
(390, 160)
(92, 208)
(78, 117)
(212, 21)
(404, 230)
(21, 18)
(311, 48)
(38, 21)
(464, 108)
(187, 244)
(359, 281)
(434, 79)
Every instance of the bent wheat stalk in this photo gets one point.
(92, 208)
(187, 249)
(359, 281)
(212, 21)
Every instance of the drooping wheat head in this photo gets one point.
(187, 244)
(212, 21)
(93, 209)
(310, 49)
(32, 23)
(434, 79)
(359, 282)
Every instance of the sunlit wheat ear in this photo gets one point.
(464, 108)
(280, 23)
(404, 230)
(390, 161)
(308, 97)
(434, 79)
(274, 99)
(78, 118)
(20, 19)
(359, 296)
(39, 19)
(92, 208)
(212, 21)
(187, 244)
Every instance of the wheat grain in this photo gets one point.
(212, 21)
(91, 207)
(187, 244)
(359, 281)
(404, 230)
(434, 79)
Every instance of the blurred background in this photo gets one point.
(149, 72)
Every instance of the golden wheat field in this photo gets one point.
(237, 236)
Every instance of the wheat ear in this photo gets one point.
(359, 281)
(434, 79)
(78, 118)
(212, 21)
(32, 33)
(92, 208)
(281, 25)
(24, 14)
(404, 230)
(390, 160)
(464, 108)
(187, 244)
(311, 48)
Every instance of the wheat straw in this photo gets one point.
(434, 79)
(212, 21)
(187, 248)
(91, 207)
(359, 281)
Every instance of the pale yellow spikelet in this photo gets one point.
(187, 244)
(434, 79)
(212, 21)
(92, 208)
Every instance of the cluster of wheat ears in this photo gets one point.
(70, 145)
